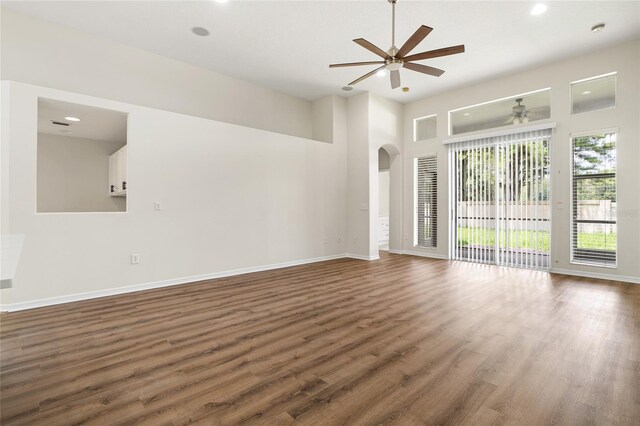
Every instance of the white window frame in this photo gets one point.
(434, 244)
(573, 135)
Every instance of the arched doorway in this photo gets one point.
(384, 188)
(386, 201)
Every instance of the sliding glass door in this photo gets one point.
(500, 188)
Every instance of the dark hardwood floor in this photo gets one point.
(403, 340)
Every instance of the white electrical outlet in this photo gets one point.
(135, 259)
(156, 206)
(325, 240)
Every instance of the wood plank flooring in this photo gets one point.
(403, 340)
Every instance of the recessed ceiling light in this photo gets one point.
(347, 88)
(72, 118)
(221, 1)
(199, 31)
(466, 114)
(597, 28)
(586, 92)
(381, 73)
(539, 9)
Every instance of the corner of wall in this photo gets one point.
(322, 118)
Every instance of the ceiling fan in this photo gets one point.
(394, 58)
(521, 114)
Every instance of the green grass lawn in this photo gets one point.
(597, 241)
(527, 239)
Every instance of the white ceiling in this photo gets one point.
(95, 123)
(288, 45)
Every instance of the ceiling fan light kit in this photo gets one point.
(394, 59)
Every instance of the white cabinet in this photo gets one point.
(122, 168)
(118, 173)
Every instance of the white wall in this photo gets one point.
(73, 175)
(46, 54)
(625, 59)
(339, 169)
(358, 224)
(383, 191)
(386, 131)
(322, 115)
(384, 161)
(373, 122)
(232, 197)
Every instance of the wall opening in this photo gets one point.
(82, 159)
(384, 188)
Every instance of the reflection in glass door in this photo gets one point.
(500, 189)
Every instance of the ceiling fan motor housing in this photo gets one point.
(394, 64)
(519, 109)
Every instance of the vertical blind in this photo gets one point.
(500, 187)
(594, 224)
(426, 178)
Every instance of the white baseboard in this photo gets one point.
(420, 253)
(38, 303)
(598, 275)
(10, 307)
(361, 257)
(426, 254)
